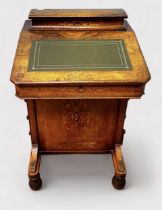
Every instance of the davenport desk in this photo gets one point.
(76, 70)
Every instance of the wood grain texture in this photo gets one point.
(118, 180)
(139, 74)
(80, 92)
(77, 111)
(32, 121)
(35, 181)
(77, 125)
(120, 123)
(74, 25)
(76, 19)
(119, 165)
(34, 163)
(74, 13)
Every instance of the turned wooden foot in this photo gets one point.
(35, 181)
(118, 180)
(118, 183)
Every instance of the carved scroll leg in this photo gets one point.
(118, 181)
(35, 181)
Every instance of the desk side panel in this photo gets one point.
(77, 125)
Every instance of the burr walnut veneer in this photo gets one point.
(76, 70)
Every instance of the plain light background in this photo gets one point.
(77, 182)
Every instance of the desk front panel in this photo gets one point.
(77, 125)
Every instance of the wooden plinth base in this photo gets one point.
(118, 180)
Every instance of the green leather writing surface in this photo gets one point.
(79, 55)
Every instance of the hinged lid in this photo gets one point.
(83, 54)
(77, 13)
(89, 19)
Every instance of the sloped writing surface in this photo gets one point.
(79, 55)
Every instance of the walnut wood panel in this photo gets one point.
(65, 25)
(77, 19)
(81, 92)
(77, 111)
(74, 13)
(77, 125)
(139, 74)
